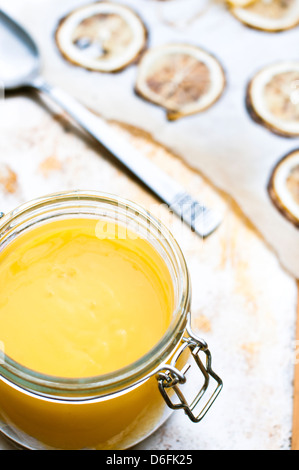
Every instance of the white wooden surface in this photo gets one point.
(244, 302)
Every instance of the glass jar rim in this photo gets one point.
(137, 371)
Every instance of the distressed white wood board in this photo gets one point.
(244, 302)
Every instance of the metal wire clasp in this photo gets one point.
(169, 378)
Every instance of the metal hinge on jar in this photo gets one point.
(169, 378)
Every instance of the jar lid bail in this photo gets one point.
(169, 377)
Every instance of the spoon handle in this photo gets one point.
(202, 220)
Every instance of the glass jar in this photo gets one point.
(116, 410)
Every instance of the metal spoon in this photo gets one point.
(20, 68)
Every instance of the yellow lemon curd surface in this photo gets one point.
(82, 298)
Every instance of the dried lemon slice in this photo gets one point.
(269, 15)
(102, 36)
(273, 98)
(284, 187)
(181, 78)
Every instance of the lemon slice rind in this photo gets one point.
(73, 54)
(240, 3)
(257, 106)
(174, 112)
(278, 191)
(256, 21)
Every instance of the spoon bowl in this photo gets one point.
(19, 55)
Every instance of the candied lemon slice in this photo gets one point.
(273, 98)
(102, 36)
(284, 187)
(269, 15)
(181, 78)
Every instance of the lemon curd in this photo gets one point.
(94, 321)
(82, 298)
